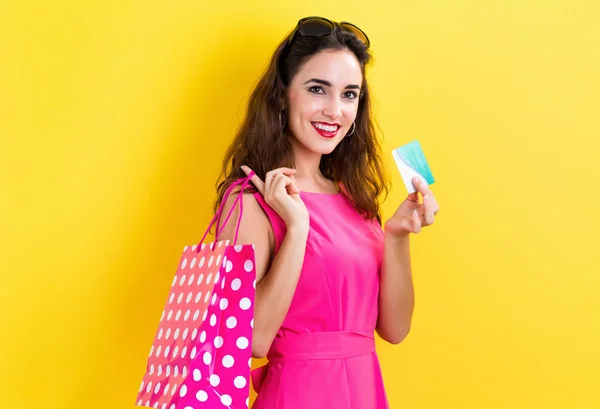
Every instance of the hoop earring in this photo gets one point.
(353, 129)
(282, 121)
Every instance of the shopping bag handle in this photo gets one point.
(217, 217)
(245, 183)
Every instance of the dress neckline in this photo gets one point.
(321, 194)
(338, 193)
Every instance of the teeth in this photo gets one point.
(328, 128)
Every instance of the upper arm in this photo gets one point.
(255, 228)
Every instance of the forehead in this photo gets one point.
(340, 67)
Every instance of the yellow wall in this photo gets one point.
(113, 119)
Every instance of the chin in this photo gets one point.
(318, 144)
(324, 148)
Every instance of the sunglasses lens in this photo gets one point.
(356, 31)
(316, 27)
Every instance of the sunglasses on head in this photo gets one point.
(320, 26)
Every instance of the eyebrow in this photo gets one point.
(328, 84)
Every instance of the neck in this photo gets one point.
(308, 173)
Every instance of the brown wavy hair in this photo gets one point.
(263, 144)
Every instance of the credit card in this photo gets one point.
(411, 162)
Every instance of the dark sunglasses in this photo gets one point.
(319, 27)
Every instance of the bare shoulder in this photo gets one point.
(255, 228)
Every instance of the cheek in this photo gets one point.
(304, 107)
(349, 112)
(310, 110)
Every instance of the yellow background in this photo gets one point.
(114, 117)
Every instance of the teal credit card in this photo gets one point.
(411, 162)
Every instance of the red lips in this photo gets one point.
(326, 134)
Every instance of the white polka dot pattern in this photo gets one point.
(200, 354)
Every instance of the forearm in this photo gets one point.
(396, 294)
(275, 291)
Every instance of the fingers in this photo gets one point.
(264, 187)
(283, 183)
(436, 206)
(256, 181)
(428, 210)
(421, 186)
(413, 197)
(269, 177)
(416, 222)
(428, 196)
(289, 185)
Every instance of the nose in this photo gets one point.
(333, 108)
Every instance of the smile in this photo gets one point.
(326, 130)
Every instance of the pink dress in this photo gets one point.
(323, 356)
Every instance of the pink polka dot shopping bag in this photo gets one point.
(201, 354)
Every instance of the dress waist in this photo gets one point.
(315, 345)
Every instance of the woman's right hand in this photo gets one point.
(281, 193)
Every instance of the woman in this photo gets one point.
(328, 276)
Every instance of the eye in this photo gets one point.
(314, 89)
(351, 95)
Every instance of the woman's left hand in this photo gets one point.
(412, 215)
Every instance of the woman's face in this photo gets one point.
(323, 99)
